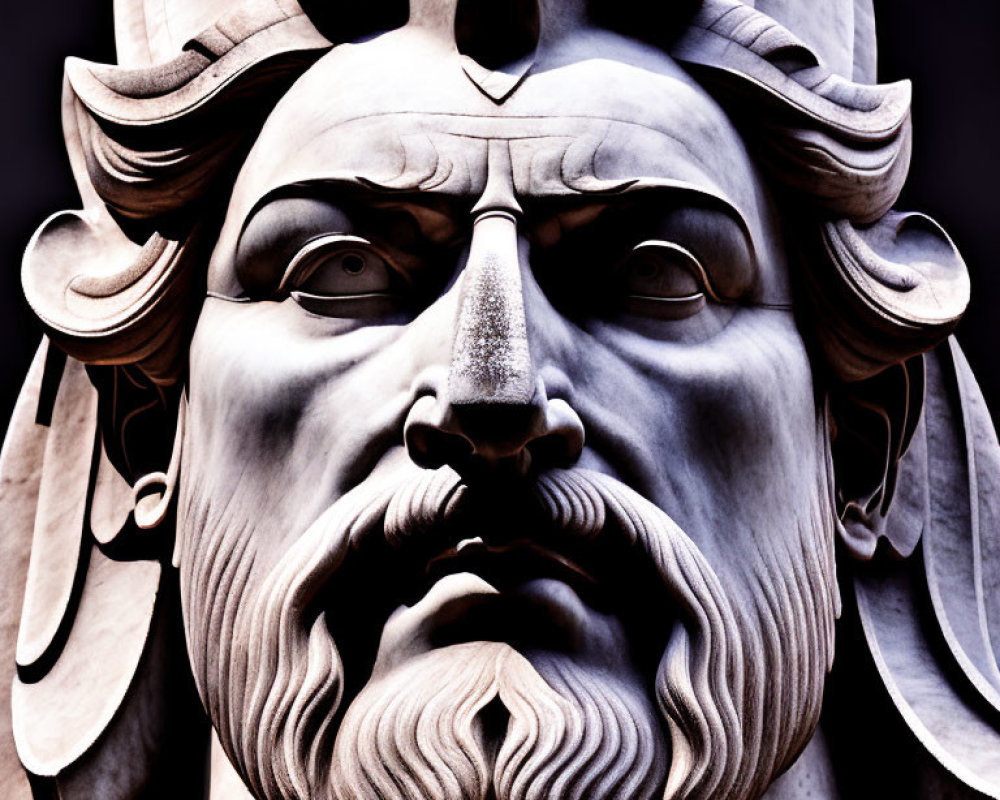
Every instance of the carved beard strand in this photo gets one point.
(573, 731)
(739, 685)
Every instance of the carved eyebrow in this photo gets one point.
(358, 187)
(689, 195)
(682, 213)
(443, 217)
(432, 210)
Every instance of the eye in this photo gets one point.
(343, 276)
(662, 280)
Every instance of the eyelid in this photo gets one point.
(298, 268)
(701, 275)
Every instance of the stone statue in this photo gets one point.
(464, 400)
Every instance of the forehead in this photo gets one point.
(400, 113)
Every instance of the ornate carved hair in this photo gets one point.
(152, 147)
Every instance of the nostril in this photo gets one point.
(496, 430)
(553, 450)
(430, 447)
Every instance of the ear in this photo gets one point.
(872, 425)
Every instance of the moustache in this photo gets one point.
(407, 521)
(583, 526)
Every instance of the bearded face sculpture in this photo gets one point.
(571, 279)
(518, 378)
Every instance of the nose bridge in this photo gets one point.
(491, 360)
(494, 417)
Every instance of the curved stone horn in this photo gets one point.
(105, 299)
(111, 283)
(840, 32)
(844, 145)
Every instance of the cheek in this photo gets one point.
(283, 407)
(728, 426)
(751, 405)
(247, 389)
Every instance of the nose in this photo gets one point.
(493, 414)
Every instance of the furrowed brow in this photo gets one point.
(439, 214)
(704, 222)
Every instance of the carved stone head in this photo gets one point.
(495, 390)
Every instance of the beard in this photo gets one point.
(480, 720)
(738, 688)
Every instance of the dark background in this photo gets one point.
(949, 50)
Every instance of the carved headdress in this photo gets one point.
(155, 143)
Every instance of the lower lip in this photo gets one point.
(538, 615)
(508, 568)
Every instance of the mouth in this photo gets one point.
(505, 565)
(520, 593)
(493, 567)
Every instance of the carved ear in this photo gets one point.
(879, 295)
(873, 424)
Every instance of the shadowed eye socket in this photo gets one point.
(343, 276)
(662, 280)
